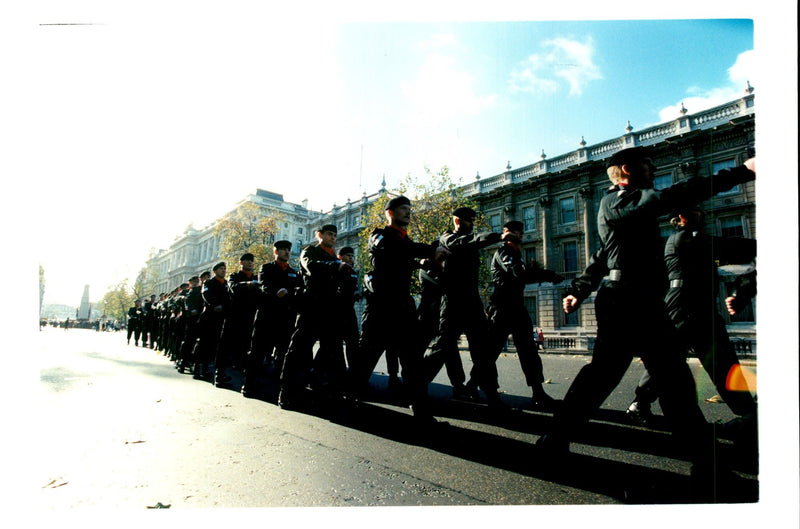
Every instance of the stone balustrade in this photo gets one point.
(702, 120)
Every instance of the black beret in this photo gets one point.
(329, 227)
(282, 245)
(627, 156)
(219, 265)
(514, 225)
(194, 278)
(247, 257)
(183, 285)
(206, 273)
(398, 201)
(465, 213)
(346, 250)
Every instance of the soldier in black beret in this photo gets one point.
(192, 306)
(320, 269)
(389, 321)
(630, 311)
(462, 310)
(508, 314)
(135, 317)
(216, 301)
(237, 330)
(275, 317)
(692, 258)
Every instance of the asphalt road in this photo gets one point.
(122, 429)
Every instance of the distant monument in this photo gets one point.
(85, 308)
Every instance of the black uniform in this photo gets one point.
(216, 302)
(389, 322)
(429, 312)
(462, 310)
(275, 317)
(319, 270)
(135, 317)
(237, 331)
(691, 257)
(630, 312)
(347, 293)
(508, 314)
(148, 328)
(192, 307)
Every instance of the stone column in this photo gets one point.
(544, 201)
(588, 222)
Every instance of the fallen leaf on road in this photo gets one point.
(548, 381)
(716, 399)
(54, 484)
(159, 505)
(134, 442)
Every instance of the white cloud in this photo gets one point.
(564, 59)
(744, 70)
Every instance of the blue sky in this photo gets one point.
(474, 96)
(154, 118)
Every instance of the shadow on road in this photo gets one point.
(624, 481)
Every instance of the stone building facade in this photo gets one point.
(557, 200)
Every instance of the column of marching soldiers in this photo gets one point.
(651, 303)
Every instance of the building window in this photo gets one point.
(529, 254)
(494, 223)
(662, 181)
(726, 164)
(530, 305)
(529, 218)
(567, 207)
(569, 252)
(571, 319)
(300, 231)
(731, 226)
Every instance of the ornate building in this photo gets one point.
(557, 199)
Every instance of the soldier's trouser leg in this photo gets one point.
(527, 350)
(591, 386)
(300, 356)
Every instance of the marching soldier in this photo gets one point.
(630, 311)
(320, 270)
(347, 293)
(192, 306)
(148, 330)
(508, 314)
(275, 317)
(692, 257)
(389, 322)
(216, 302)
(135, 317)
(428, 313)
(237, 331)
(462, 310)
